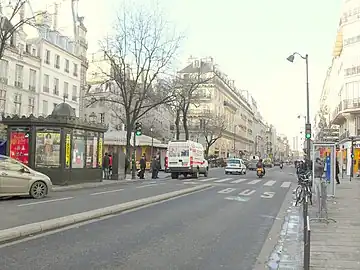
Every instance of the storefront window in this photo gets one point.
(91, 150)
(78, 157)
(47, 148)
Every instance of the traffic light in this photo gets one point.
(138, 127)
(308, 131)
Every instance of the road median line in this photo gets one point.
(14, 233)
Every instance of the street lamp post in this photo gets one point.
(152, 141)
(306, 58)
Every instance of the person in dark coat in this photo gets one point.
(142, 167)
(154, 168)
(337, 172)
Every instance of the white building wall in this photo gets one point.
(20, 97)
(60, 72)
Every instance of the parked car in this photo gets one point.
(235, 165)
(276, 163)
(17, 179)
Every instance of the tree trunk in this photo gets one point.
(207, 148)
(185, 125)
(177, 124)
(128, 149)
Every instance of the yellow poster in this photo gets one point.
(100, 152)
(68, 150)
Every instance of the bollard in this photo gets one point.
(305, 214)
(307, 246)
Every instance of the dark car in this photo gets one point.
(252, 165)
(268, 164)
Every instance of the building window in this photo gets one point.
(75, 70)
(19, 76)
(66, 90)
(47, 57)
(57, 61)
(33, 52)
(46, 85)
(56, 86)
(74, 93)
(31, 105)
(4, 68)
(67, 66)
(45, 107)
(17, 104)
(2, 100)
(32, 80)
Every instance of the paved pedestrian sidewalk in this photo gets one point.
(162, 175)
(337, 245)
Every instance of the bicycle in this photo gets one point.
(303, 190)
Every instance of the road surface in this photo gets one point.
(220, 228)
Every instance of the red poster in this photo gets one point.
(19, 147)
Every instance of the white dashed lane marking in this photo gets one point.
(226, 190)
(238, 181)
(286, 184)
(270, 183)
(223, 180)
(253, 182)
(207, 179)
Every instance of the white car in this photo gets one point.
(235, 165)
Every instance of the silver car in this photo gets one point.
(17, 179)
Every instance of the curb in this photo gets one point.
(97, 184)
(274, 233)
(56, 223)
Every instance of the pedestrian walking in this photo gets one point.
(337, 172)
(142, 167)
(154, 168)
(105, 166)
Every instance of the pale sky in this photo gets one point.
(250, 41)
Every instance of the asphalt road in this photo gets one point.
(58, 204)
(221, 228)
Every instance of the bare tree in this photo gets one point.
(140, 53)
(186, 94)
(213, 127)
(12, 19)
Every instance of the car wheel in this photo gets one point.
(206, 172)
(38, 190)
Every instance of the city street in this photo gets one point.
(223, 227)
(57, 204)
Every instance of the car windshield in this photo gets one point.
(233, 161)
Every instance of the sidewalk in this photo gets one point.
(162, 175)
(337, 245)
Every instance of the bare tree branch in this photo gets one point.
(140, 53)
(10, 24)
(186, 94)
(213, 127)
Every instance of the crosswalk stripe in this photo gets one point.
(207, 179)
(253, 182)
(270, 183)
(286, 184)
(238, 181)
(222, 180)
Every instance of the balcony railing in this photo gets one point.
(347, 104)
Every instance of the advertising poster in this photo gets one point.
(78, 157)
(47, 149)
(19, 147)
(100, 154)
(68, 150)
(95, 141)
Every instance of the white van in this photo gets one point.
(186, 157)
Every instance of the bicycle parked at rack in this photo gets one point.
(304, 188)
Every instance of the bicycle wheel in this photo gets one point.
(298, 195)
